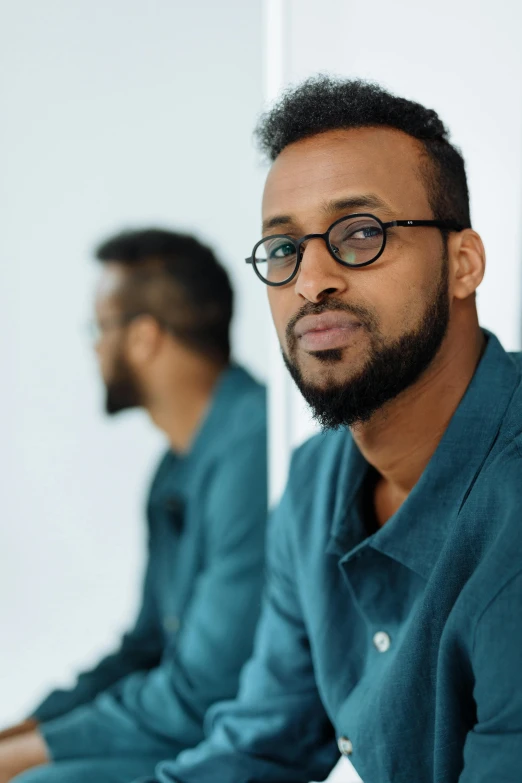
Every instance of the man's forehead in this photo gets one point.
(110, 280)
(344, 163)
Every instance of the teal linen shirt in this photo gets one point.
(403, 648)
(201, 601)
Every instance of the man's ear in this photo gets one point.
(144, 336)
(467, 262)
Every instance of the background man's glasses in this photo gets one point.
(97, 328)
(353, 241)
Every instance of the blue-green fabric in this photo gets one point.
(201, 600)
(107, 770)
(443, 578)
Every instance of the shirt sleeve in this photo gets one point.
(140, 649)
(493, 748)
(150, 712)
(277, 729)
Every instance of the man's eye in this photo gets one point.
(282, 251)
(364, 232)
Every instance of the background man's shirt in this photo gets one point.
(201, 601)
(402, 648)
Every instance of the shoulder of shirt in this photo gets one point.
(298, 521)
(493, 520)
(314, 471)
(508, 446)
(322, 447)
(242, 419)
(246, 415)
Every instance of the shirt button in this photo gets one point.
(345, 746)
(382, 641)
(171, 623)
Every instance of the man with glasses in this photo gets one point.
(163, 311)
(390, 631)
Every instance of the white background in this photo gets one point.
(126, 113)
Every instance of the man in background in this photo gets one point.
(163, 312)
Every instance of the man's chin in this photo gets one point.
(331, 356)
(122, 392)
(324, 373)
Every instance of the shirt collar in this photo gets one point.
(415, 535)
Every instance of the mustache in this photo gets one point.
(367, 318)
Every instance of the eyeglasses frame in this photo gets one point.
(443, 225)
(97, 330)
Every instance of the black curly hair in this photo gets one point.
(323, 103)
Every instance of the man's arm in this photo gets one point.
(277, 728)
(24, 727)
(493, 750)
(21, 751)
(163, 709)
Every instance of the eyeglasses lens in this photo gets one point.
(356, 240)
(275, 259)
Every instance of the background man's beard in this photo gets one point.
(122, 392)
(390, 369)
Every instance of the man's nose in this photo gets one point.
(319, 274)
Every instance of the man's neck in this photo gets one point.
(400, 440)
(179, 408)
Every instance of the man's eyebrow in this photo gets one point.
(349, 204)
(359, 202)
(276, 221)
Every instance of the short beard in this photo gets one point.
(390, 369)
(122, 391)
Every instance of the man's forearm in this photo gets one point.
(25, 726)
(20, 752)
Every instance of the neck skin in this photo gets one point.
(400, 440)
(178, 395)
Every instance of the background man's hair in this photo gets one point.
(179, 281)
(324, 103)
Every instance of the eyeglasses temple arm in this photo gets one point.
(449, 225)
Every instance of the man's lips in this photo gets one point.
(326, 331)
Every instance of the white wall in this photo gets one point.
(114, 113)
(462, 58)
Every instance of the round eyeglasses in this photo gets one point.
(96, 328)
(353, 241)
